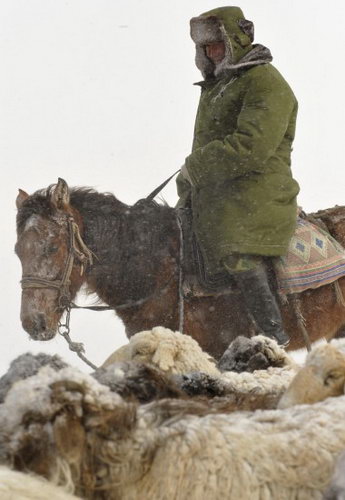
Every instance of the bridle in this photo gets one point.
(76, 250)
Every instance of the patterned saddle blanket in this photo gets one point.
(314, 259)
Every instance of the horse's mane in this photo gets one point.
(129, 241)
(81, 197)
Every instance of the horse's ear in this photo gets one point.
(22, 196)
(59, 195)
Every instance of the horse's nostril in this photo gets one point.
(40, 323)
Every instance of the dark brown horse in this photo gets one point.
(131, 260)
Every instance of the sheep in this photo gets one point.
(256, 353)
(244, 356)
(16, 485)
(172, 352)
(176, 353)
(197, 375)
(323, 376)
(336, 489)
(77, 429)
(139, 382)
(144, 383)
(25, 366)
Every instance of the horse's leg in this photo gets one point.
(214, 322)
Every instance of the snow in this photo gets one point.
(100, 93)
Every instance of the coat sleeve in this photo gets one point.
(262, 124)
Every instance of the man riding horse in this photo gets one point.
(238, 180)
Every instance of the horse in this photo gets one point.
(129, 256)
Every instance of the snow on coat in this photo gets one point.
(242, 192)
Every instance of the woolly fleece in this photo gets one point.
(170, 453)
(169, 351)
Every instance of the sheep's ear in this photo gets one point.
(59, 195)
(164, 356)
(22, 196)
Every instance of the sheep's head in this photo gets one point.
(171, 352)
(156, 346)
(323, 376)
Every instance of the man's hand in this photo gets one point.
(185, 174)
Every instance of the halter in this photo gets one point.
(76, 249)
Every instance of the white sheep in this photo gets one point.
(175, 353)
(322, 376)
(169, 448)
(170, 351)
(336, 488)
(16, 485)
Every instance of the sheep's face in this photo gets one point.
(142, 351)
(322, 377)
(161, 354)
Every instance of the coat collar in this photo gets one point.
(257, 56)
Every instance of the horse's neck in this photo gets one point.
(129, 244)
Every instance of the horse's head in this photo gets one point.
(52, 255)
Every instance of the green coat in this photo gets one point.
(243, 195)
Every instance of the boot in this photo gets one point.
(261, 303)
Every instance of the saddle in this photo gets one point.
(314, 259)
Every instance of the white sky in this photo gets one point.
(100, 92)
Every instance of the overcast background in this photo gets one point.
(100, 92)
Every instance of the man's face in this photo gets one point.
(215, 52)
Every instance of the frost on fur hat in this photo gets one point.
(229, 25)
(206, 29)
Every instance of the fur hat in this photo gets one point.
(226, 24)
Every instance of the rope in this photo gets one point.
(77, 347)
(339, 293)
(301, 321)
(180, 281)
(154, 193)
(31, 282)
